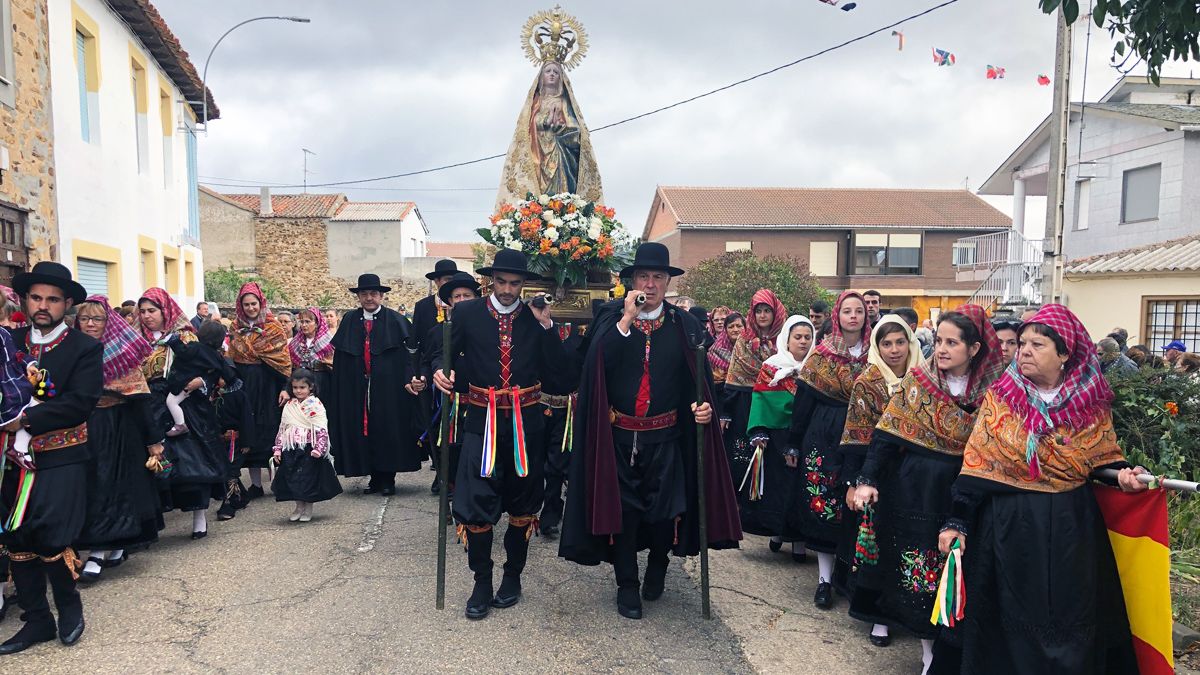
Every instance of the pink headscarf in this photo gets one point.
(766, 297)
(299, 349)
(834, 345)
(264, 315)
(174, 320)
(124, 347)
(982, 372)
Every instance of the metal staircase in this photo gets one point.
(1007, 265)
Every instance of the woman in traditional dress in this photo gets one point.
(1042, 584)
(914, 457)
(722, 349)
(894, 351)
(770, 494)
(818, 420)
(259, 350)
(755, 345)
(311, 348)
(123, 509)
(197, 457)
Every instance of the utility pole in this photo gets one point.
(306, 152)
(1056, 178)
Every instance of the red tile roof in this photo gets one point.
(360, 211)
(291, 206)
(460, 250)
(830, 208)
(151, 29)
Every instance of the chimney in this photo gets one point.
(264, 202)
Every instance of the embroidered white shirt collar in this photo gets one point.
(651, 315)
(503, 309)
(37, 338)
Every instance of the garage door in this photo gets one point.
(93, 274)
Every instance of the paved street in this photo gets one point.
(352, 591)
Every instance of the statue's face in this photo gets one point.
(551, 76)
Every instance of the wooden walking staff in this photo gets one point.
(701, 362)
(443, 464)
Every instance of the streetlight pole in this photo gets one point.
(204, 76)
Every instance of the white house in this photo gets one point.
(380, 237)
(1132, 200)
(126, 100)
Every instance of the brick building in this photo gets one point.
(897, 241)
(28, 225)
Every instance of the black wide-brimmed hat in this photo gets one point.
(651, 256)
(511, 261)
(53, 274)
(459, 280)
(441, 268)
(370, 282)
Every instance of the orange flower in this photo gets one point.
(507, 208)
(1172, 408)
(535, 207)
(581, 252)
(495, 219)
(570, 208)
(564, 246)
(545, 246)
(529, 229)
(555, 205)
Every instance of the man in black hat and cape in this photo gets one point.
(374, 391)
(633, 475)
(509, 350)
(49, 496)
(429, 312)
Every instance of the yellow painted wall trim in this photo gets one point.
(108, 254)
(148, 258)
(166, 101)
(140, 96)
(82, 22)
(189, 255)
(171, 267)
(170, 251)
(147, 243)
(189, 275)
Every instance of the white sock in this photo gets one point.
(798, 548)
(199, 521)
(879, 630)
(100, 555)
(825, 566)
(91, 567)
(255, 477)
(173, 401)
(926, 655)
(21, 441)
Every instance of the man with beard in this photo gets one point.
(509, 350)
(372, 403)
(51, 491)
(633, 475)
(427, 313)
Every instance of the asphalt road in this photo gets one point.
(353, 591)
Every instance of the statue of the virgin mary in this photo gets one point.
(551, 151)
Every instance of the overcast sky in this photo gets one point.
(383, 87)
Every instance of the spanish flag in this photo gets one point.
(1137, 528)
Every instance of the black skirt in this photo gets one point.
(123, 508)
(777, 513)
(1043, 593)
(262, 385)
(200, 456)
(303, 478)
(914, 503)
(822, 494)
(55, 512)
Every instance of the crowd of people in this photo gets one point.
(875, 443)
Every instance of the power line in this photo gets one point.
(249, 184)
(685, 101)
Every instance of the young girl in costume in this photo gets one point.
(203, 359)
(301, 450)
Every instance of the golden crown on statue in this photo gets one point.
(552, 35)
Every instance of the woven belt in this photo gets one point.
(557, 401)
(478, 396)
(59, 439)
(631, 423)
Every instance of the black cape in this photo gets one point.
(390, 444)
(578, 543)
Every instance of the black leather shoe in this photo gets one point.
(774, 545)
(823, 598)
(70, 637)
(115, 562)
(388, 491)
(881, 640)
(549, 531)
(508, 594)
(199, 535)
(799, 558)
(370, 490)
(30, 634)
(227, 511)
(655, 580)
(89, 577)
(254, 492)
(480, 602)
(629, 603)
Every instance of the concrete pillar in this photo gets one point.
(1018, 218)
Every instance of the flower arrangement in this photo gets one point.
(564, 236)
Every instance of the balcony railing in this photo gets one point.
(1007, 265)
(999, 248)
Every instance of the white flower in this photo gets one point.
(551, 234)
(505, 222)
(594, 231)
(579, 203)
(514, 245)
(544, 199)
(571, 216)
(595, 221)
(556, 222)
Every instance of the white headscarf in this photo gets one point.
(783, 361)
(873, 356)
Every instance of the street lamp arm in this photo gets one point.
(204, 75)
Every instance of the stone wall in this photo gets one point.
(294, 253)
(27, 132)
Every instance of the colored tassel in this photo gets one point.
(520, 459)
(1031, 457)
(754, 474)
(866, 548)
(24, 488)
(569, 429)
(951, 597)
(489, 437)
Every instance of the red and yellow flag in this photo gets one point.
(1137, 529)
